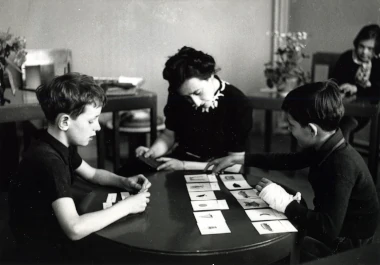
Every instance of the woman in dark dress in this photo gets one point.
(358, 73)
(206, 117)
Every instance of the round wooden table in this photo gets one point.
(167, 231)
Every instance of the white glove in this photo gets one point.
(277, 197)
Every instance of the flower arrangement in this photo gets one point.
(12, 53)
(287, 61)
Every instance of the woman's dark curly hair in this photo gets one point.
(185, 64)
(369, 32)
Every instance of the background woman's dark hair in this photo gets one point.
(318, 103)
(188, 63)
(69, 93)
(367, 33)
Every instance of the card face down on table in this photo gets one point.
(153, 163)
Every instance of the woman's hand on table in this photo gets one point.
(348, 89)
(145, 151)
(222, 163)
(170, 164)
(136, 203)
(136, 183)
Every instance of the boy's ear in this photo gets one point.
(313, 129)
(63, 121)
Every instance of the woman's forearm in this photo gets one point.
(163, 143)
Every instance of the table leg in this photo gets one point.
(374, 147)
(268, 131)
(153, 123)
(116, 140)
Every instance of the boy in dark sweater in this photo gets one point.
(346, 206)
(43, 216)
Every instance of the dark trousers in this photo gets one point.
(312, 248)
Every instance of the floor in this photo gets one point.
(281, 143)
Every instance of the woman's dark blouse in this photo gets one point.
(345, 71)
(214, 133)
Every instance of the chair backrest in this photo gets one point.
(322, 65)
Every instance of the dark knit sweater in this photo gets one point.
(346, 203)
(345, 71)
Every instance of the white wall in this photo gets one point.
(332, 24)
(135, 37)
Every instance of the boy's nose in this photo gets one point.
(97, 127)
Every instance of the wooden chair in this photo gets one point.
(322, 65)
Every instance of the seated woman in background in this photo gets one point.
(206, 117)
(358, 72)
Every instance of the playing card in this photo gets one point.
(213, 228)
(202, 195)
(231, 177)
(245, 194)
(202, 186)
(124, 195)
(209, 205)
(253, 203)
(209, 217)
(111, 197)
(271, 227)
(264, 214)
(237, 185)
(107, 205)
(201, 178)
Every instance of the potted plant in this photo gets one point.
(285, 72)
(12, 54)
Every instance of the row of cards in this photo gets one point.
(249, 199)
(111, 198)
(201, 189)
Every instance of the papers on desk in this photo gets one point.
(201, 178)
(201, 189)
(202, 186)
(245, 194)
(237, 185)
(202, 195)
(119, 86)
(231, 177)
(271, 227)
(211, 222)
(253, 203)
(264, 214)
(209, 205)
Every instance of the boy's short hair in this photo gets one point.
(318, 103)
(69, 93)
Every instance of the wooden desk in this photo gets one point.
(167, 232)
(270, 102)
(26, 107)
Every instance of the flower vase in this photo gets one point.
(288, 85)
